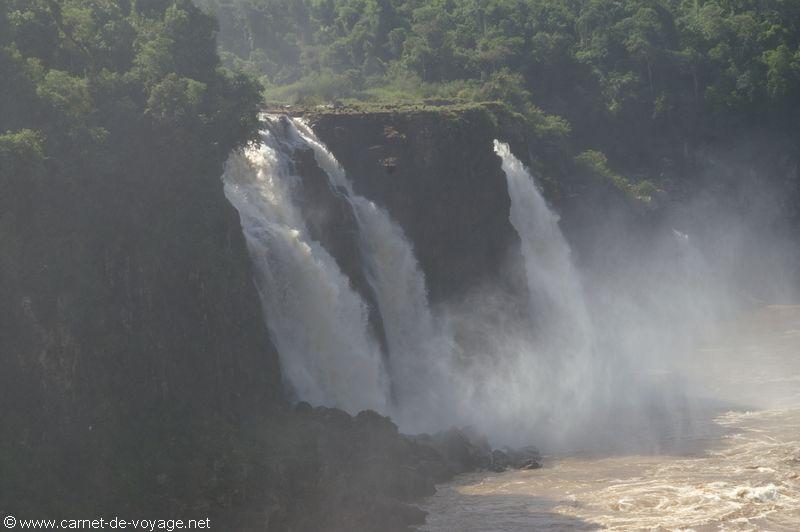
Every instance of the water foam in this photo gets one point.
(318, 322)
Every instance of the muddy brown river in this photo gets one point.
(742, 472)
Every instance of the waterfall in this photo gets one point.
(419, 347)
(320, 324)
(553, 282)
(317, 321)
(555, 366)
(559, 374)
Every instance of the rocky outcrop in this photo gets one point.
(437, 175)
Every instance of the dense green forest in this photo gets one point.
(647, 82)
(80, 78)
(642, 86)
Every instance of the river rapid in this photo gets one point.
(739, 470)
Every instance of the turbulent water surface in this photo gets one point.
(740, 471)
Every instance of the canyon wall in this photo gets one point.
(435, 171)
(138, 373)
(437, 176)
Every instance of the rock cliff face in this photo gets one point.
(437, 175)
(138, 374)
(331, 221)
(134, 292)
(128, 308)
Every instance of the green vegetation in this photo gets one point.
(79, 79)
(647, 82)
(594, 165)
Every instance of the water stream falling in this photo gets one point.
(320, 326)
(564, 335)
(579, 369)
(317, 321)
(420, 347)
(541, 381)
(553, 282)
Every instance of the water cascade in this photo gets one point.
(553, 283)
(318, 322)
(541, 378)
(328, 353)
(420, 347)
(545, 380)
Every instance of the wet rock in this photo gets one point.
(524, 458)
(335, 417)
(465, 449)
(303, 408)
(531, 464)
(371, 420)
(331, 221)
(500, 461)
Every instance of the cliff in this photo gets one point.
(128, 311)
(434, 169)
(138, 374)
(435, 172)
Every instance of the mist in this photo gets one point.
(355, 265)
(598, 354)
(609, 359)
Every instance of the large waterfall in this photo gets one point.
(514, 387)
(562, 329)
(318, 322)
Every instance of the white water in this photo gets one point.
(318, 322)
(560, 361)
(741, 472)
(420, 348)
(546, 385)
(556, 294)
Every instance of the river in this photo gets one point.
(739, 471)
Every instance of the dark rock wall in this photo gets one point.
(127, 307)
(137, 370)
(438, 177)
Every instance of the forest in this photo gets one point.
(81, 78)
(645, 84)
(649, 83)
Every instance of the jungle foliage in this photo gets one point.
(645, 81)
(87, 87)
